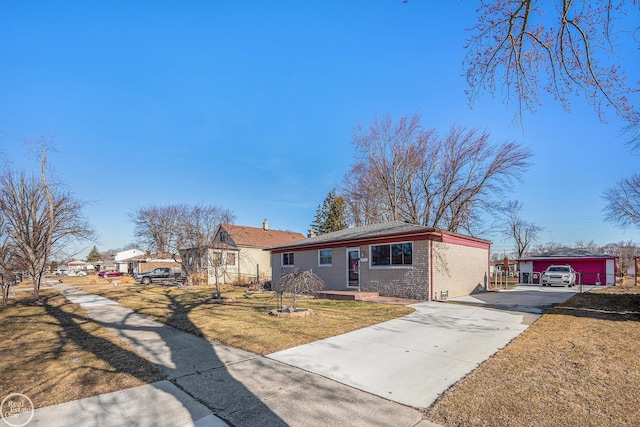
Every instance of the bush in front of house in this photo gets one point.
(297, 283)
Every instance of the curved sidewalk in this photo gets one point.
(210, 384)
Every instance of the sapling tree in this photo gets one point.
(297, 283)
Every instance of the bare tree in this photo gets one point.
(623, 202)
(519, 47)
(196, 232)
(156, 227)
(546, 247)
(7, 262)
(298, 282)
(625, 251)
(522, 232)
(403, 172)
(178, 229)
(587, 245)
(40, 218)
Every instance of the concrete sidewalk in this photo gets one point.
(209, 382)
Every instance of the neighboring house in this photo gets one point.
(220, 262)
(238, 253)
(593, 268)
(395, 259)
(129, 253)
(148, 261)
(81, 266)
(121, 259)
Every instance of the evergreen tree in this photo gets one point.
(94, 255)
(331, 215)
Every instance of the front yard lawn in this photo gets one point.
(246, 323)
(53, 353)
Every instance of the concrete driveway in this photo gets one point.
(414, 359)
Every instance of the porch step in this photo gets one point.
(347, 295)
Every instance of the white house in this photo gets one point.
(121, 259)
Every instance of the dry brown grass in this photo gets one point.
(245, 323)
(53, 353)
(578, 365)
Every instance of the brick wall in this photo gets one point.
(458, 269)
(403, 282)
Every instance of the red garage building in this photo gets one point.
(593, 269)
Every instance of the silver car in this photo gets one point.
(563, 275)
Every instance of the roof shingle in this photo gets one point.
(242, 235)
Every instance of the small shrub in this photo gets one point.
(298, 282)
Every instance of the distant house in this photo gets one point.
(148, 261)
(129, 253)
(593, 268)
(80, 265)
(238, 253)
(394, 259)
(121, 260)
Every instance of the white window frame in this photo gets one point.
(320, 264)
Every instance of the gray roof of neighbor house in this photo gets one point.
(371, 232)
(562, 253)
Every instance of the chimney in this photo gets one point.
(311, 233)
(265, 225)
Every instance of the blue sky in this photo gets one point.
(251, 106)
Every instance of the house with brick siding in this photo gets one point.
(148, 261)
(240, 251)
(395, 259)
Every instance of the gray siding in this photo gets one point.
(406, 282)
(334, 276)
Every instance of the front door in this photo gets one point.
(353, 267)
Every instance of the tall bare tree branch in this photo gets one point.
(404, 172)
(40, 218)
(519, 47)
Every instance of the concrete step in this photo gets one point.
(347, 295)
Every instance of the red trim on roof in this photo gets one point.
(427, 234)
(457, 239)
(561, 258)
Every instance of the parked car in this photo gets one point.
(81, 273)
(61, 272)
(157, 275)
(109, 273)
(563, 275)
